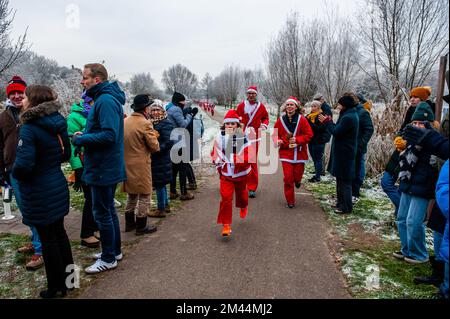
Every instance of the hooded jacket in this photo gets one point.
(43, 146)
(102, 140)
(76, 122)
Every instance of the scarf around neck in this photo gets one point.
(313, 116)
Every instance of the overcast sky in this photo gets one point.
(149, 36)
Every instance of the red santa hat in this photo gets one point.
(293, 99)
(252, 89)
(16, 84)
(231, 117)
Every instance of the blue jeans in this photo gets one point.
(391, 190)
(108, 223)
(317, 151)
(437, 245)
(411, 226)
(162, 198)
(444, 287)
(360, 174)
(35, 240)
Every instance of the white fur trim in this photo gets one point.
(252, 91)
(291, 101)
(231, 120)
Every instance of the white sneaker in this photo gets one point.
(355, 200)
(99, 255)
(100, 266)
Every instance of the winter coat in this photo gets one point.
(321, 134)
(76, 122)
(257, 119)
(366, 129)
(9, 135)
(161, 162)
(327, 109)
(103, 137)
(344, 146)
(194, 152)
(232, 156)
(175, 115)
(43, 146)
(442, 200)
(140, 140)
(302, 133)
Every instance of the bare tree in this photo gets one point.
(143, 83)
(404, 40)
(179, 78)
(228, 83)
(206, 86)
(10, 52)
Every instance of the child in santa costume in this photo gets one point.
(292, 133)
(254, 117)
(232, 154)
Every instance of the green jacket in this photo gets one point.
(76, 122)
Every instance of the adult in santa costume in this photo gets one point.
(292, 134)
(232, 155)
(254, 116)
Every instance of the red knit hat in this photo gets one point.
(16, 84)
(231, 117)
(293, 99)
(252, 89)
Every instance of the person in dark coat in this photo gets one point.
(326, 108)
(366, 130)
(193, 149)
(43, 146)
(320, 139)
(161, 163)
(104, 165)
(343, 151)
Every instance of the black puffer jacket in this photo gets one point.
(161, 162)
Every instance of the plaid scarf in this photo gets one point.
(408, 160)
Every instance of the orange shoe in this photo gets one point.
(226, 231)
(244, 212)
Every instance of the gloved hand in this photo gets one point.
(77, 186)
(415, 135)
(194, 111)
(400, 143)
(4, 179)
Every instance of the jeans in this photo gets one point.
(411, 226)
(437, 245)
(344, 195)
(360, 174)
(162, 198)
(35, 240)
(391, 190)
(88, 224)
(444, 287)
(317, 151)
(106, 217)
(57, 254)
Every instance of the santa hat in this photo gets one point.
(293, 99)
(231, 117)
(16, 84)
(252, 89)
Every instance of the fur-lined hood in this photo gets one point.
(46, 115)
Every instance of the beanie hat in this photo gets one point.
(177, 98)
(317, 97)
(361, 98)
(231, 117)
(157, 103)
(422, 93)
(347, 101)
(140, 102)
(252, 89)
(16, 84)
(423, 113)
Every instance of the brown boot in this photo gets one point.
(28, 248)
(187, 196)
(167, 210)
(174, 195)
(90, 242)
(36, 262)
(157, 214)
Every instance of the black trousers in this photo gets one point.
(57, 254)
(190, 174)
(179, 169)
(88, 224)
(344, 195)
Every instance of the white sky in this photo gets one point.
(149, 36)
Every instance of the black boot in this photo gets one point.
(130, 222)
(437, 276)
(142, 228)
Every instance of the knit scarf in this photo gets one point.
(313, 116)
(159, 119)
(408, 160)
(86, 109)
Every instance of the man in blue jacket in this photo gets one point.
(103, 159)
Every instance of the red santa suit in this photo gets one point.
(232, 154)
(256, 116)
(293, 159)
